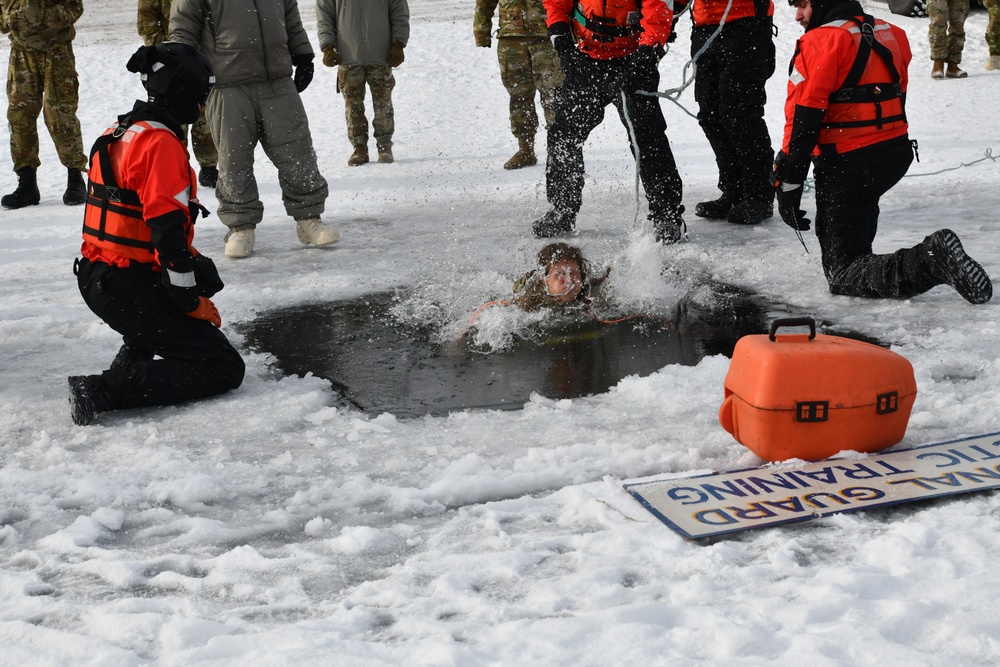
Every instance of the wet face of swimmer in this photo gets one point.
(564, 280)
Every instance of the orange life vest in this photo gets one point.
(114, 224)
(855, 69)
(710, 12)
(607, 29)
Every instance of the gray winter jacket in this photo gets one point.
(246, 40)
(362, 30)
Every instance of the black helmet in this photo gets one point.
(177, 77)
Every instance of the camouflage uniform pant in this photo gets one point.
(528, 64)
(947, 29)
(44, 81)
(202, 142)
(351, 80)
(993, 28)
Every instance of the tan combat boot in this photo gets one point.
(239, 244)
(385, 155)
(993, 63)
(954, 72)
(525, 155)
(316, 232)
(358, 157)
(937, 72)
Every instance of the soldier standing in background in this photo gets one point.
(527, 63)
(262, 61)
(154, 28)
(993, 35)
(366, 39)
(946, 33)
(42, 74)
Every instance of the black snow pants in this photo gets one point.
(196, 359)
(590, 86)
(729, 90)
(848, 188)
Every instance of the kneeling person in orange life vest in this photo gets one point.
(853, 128)
(140, 272)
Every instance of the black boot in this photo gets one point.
(716, 209)
(88, 398)
(750, 213)
(554, 223)
(949, 264)
(76, 189)
(668, 228)
(26, 193)
(208, 177)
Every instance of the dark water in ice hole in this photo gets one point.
(380, 364)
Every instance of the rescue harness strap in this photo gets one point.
(873, 93)
(110, 192)
(603, 27)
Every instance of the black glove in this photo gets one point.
(645, 72)
(789, 203)
(304, 68)
(395, 56)
(789, 195)
(207, 276)
(561, 37)
(562, 41)
(648, 56)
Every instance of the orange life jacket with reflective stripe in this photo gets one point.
(114, 227)
(869, 105)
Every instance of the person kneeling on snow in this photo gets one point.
(853, 128)
(140, 272)
(561, 279)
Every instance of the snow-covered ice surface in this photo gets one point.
(271, 527)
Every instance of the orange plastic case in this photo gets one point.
(810, 396)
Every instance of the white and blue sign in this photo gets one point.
(728, 502)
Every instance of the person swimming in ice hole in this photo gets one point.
(562, 278)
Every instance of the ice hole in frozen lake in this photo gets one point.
(380, 364)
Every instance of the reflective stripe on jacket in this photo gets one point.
(152, 187)
(710, 12)
(607, 29)
(867, 113)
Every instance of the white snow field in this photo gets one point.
(270, 526)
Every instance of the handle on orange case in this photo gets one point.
(794, 322)
(726, 414)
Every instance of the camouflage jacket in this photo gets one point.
(518, 18)
(154, 21)
(38, 25)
